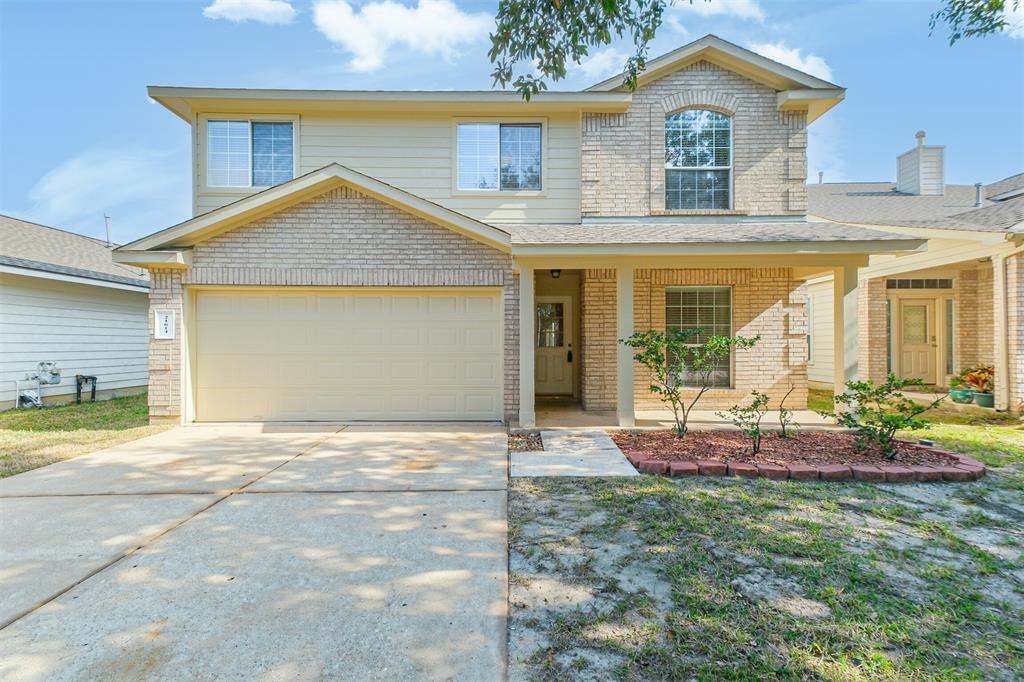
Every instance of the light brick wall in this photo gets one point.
(766, 302)
(975, 324)
(597, 340)
(343, 238)
(872, 330)
(623, 155)
(166, 355)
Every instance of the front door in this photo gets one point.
(554, 357)
(917, 340)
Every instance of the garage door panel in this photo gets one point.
(343, 355)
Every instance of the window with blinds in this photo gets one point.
(499, 156)
(249, 153)
(698, 160)
(708, 309)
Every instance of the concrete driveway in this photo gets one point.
(273, 552)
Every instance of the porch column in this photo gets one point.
(844, 330)
(527, 332)
(624, 354)
(1000, 333)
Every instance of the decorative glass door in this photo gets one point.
(917, 340)
(554, 355)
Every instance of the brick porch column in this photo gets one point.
(873, 342)
(624, 354)
(1015, 322)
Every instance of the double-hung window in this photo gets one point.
(708, 309)
(499, 156)
(698, 160)
(249, 153)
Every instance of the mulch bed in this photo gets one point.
(525, 441)
(801, 448)
(807, 456)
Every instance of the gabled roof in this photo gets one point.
(1006, 188)
(797, 89)
(311, 184)
(31, 246)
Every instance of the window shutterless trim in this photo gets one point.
(508, 120)
(201, 151)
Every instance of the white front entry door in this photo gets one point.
(917, 340)
(554, 358)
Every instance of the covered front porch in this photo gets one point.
(575, 308)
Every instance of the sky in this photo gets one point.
(79, 137)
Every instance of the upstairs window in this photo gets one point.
(249, 153)
(698, 160)
(708, 309)
(499, 156)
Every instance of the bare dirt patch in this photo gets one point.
(812, 448)
(525, 441)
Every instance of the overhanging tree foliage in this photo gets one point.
(549, 35)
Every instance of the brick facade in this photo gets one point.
(872, 330)
(339, 238)
(1015, 314)
(623, 155)
(765, 301)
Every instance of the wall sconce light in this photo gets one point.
(555, 274)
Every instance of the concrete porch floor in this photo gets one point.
(565, 413)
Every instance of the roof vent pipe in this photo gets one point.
(977, 194)
(821, 174)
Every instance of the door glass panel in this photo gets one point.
(915, 324)
(550, 325)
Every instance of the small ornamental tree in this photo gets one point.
(672, 355)
(877, 412)
(748, 419)
(786, 420)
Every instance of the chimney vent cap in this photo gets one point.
(920, 137)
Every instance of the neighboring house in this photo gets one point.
(456, 255)
(63, 300)
(930, 315)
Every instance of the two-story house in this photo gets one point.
(459, 255)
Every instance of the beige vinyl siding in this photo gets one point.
(86, 329)
(416, 153)
(819, 368)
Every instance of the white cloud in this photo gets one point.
(741, 9)
(1014, 19)
(435, 27)
(603, 64)
(264, 11)
(144, 190)
(791, 56)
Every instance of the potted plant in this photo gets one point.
(959, 392)
(980, 380)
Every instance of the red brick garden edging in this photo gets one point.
(964, 469)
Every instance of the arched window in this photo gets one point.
(698, 160)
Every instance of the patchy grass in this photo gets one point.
(707, 578)
(33, 438)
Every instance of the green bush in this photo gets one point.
(669, 355)
(748, 419)
(877, 412)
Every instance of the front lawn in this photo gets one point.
(31, 438)
(733, 579)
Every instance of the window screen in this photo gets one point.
(708, 309)
(698, 160)
(493, 156)
(249, 153)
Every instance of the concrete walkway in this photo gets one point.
(573, 453)
(270, 552)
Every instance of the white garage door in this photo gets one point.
(337, 355)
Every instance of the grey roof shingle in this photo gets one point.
(664, 232)
(1014, 182)
(878, 203)
(38, 247)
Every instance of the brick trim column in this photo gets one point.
(873, 348)
(166, 355)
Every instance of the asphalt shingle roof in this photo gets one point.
(38, 247)
(662, 232)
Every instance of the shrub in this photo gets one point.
(980, 378)
(669, 355)
(748, 419)
(786, 420)
(877, 412)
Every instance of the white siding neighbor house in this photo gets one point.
(63, 300)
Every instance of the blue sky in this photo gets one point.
(80, 138)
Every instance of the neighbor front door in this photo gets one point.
(917, 340)
(554, 357)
